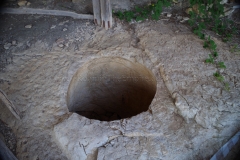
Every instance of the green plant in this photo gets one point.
(119, 14)
(221, 65)
(209, 43)
(226, 87)
(205, 44)
(207, 14)
(213, 45)
(210, 59)
(218, 76)
(234, 49)
(139, 14)
(215, 54)
(127, 15)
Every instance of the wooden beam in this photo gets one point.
(97, 12)
(106, 13)
(102, 11)
(4, 99)
(109, 13)
(45, 12)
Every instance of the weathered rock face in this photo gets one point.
(111, 88)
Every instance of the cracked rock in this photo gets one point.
(183, 107)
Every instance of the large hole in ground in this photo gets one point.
(111, 88)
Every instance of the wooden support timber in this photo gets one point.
(44, 12)
(102, 13)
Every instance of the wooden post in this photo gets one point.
(106, 13)
(9, 105)
(97, 12)
(102, 13)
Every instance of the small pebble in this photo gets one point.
(22, 3)
(185, 18)
(14, 43)
(112, 142)
(169, 15)
(179, 17)
(60, 41)
(7, 46)
(64, 29)
(227, 13)
(224, 1)
(28, 26)
(62, 23)
(61, 45)
(53, 26)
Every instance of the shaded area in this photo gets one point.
(110, 89)
(15, 38)
(7, 136)
(5, 153)
(234, 153)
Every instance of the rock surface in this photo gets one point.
(191, 113)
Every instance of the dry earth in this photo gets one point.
(190, 118)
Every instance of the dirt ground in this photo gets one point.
(67, 5)
(40, 37)
(191, 116)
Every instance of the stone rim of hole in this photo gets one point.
(111, 88)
